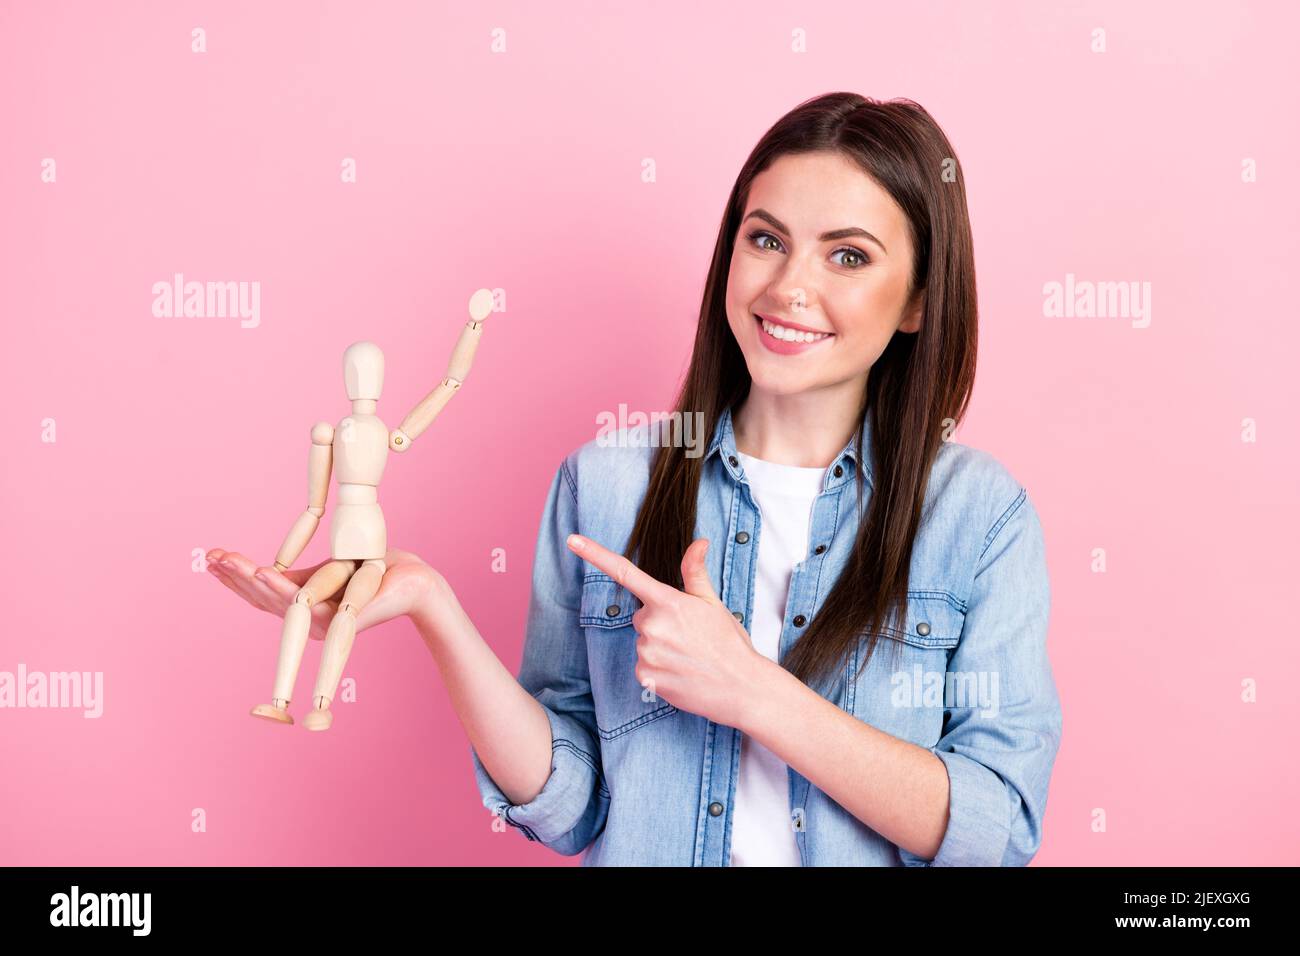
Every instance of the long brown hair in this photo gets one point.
(920, 379)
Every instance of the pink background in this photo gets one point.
(521, 171)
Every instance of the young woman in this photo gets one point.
(828, 517)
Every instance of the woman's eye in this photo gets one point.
(861, 260)
(857, 261)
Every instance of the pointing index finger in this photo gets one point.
(623, 571)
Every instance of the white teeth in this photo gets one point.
(787, 334)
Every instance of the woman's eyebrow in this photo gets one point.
(825, 236)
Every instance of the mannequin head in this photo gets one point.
(363, 371)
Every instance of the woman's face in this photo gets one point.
(796, 263)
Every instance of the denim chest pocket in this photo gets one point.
(896, 690)
(621, 703)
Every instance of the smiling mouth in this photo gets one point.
(784, 334)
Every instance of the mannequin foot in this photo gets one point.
(318, 719)
(272, 712)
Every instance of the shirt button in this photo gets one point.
(800, 620)
(742, 537)
(838, 471)
(612, 610)
(819, 549)
(738, 616)
(715, 809)
(923, 628)
(732, 459)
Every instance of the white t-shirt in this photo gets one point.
(762, 830)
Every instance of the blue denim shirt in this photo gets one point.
(635, 781)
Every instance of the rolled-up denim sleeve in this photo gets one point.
(571, 808)
(999, 758)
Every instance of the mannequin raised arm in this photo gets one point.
(319, 463)
(462, 357)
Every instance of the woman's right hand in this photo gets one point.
(407, 585)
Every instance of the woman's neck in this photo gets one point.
(807, 429)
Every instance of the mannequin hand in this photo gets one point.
(407, 584)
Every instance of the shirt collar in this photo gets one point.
(724, 445)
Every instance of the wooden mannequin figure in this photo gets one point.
(357, 451)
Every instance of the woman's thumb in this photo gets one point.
(695, 574)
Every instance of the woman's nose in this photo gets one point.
(792, 287)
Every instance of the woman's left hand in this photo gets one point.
(691, 650)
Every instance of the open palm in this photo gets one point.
(407, 581)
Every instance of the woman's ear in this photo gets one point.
(912, 317)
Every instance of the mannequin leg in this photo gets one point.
(321, 586)
(338, 641)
